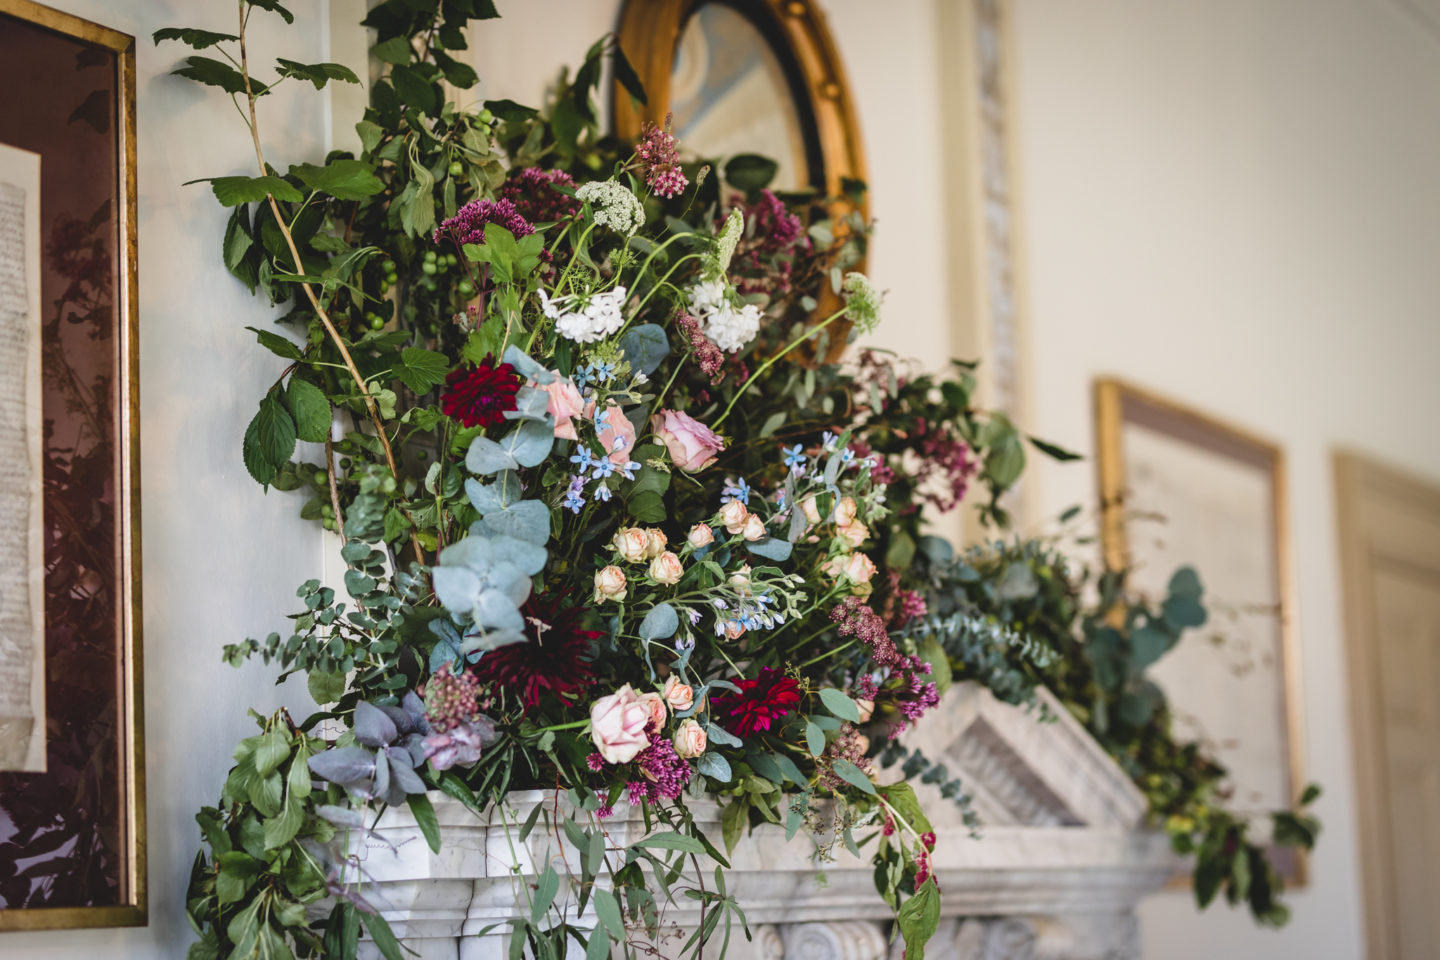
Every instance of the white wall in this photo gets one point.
(221, 560)
(1236, 203)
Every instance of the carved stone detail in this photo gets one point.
(853, 940)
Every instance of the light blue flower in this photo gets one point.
(795, 458)
(629, 468)
(828, 440)
(736, 490)
(583, 458)
(603, 468)
(574, 501)
(602, 493)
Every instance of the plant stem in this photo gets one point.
(320, 311)
(807, 335)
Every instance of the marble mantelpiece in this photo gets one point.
(1060, 864)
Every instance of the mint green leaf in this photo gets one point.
(814, 739)
(607, 911)
(425, 817)
(545, 891)
(420, 369)
(310, 409)
(670, 840)
(840, 705)
(342, 179)
(232, 191)
(852, 775)
(381, 933)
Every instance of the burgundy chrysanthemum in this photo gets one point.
(760, 702)
(480, 397)
(468, 224)
(556, 660)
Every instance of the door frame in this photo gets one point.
(1360, 484)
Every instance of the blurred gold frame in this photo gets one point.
(133, 908)
(1118, 402)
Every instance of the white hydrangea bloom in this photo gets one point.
(596, 320)
(707, 296)
(615, 206)
(732, 329)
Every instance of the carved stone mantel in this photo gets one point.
(1061, 862)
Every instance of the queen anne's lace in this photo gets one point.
(615, 206)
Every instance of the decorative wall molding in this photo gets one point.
(1058, 880)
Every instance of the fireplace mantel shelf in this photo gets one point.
(1060, 864)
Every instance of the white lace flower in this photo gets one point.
(727, 241)
(732, 329)
(598, 319)
(615, 206)
(862, 301)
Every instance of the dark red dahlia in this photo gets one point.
(759, 703)
(556, 659)
(480, 397)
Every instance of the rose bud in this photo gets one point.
(845, 511)
(655, 543)
(755, 528)
(654, 703)
(666, 568)
(701, 536)
(680, 696)
(855, 533)
(810, 509)
(610, 584)
(734, 515)
(690, 740)
(630, 543)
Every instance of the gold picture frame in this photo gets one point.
(1220, 492)
(88, 278)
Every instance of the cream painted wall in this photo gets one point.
(1237, 204)
(221, 559)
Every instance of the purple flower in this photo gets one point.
(665, 772)
(468, 224)
(462, 744)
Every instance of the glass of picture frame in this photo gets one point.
(72, 802)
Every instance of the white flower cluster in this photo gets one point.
(729, 327)
(615, 206)
(594, 320)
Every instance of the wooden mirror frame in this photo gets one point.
(650, 31)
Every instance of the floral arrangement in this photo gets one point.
(617, 521)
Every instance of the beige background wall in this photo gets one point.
(1233, 202)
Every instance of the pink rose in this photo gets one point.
(667, 569)
(701, 536)
(854, 533)
(845, 512)
(734, 515)
(811, 511)
(860, 569)
(680, 696)
(690, 740)
(734, 629)
(610, 584)
(617, 725)
(565, 404)
(655, 543)
(630, 543)
(617, 433)
(754, 528)
(655, 706)
(692, 445)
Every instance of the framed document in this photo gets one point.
(1180, 488)
(71, 773)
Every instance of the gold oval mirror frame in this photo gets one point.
(700, 59)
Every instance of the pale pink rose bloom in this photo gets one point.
(655, 705)
(859, 568)
(809, 508)
(630, 543)
(692, 445)
(740, 580)
(617, 725)
(655, 543)
(754, 528)
(845, 511)
(734, 515)
(617, 433)
(610, 584)
(690, 740)
(667, 569)
(855, 533)
(701, 536)
(867, 709)
(863, 742)
(565, 404)
(680, 696)
(734, 629)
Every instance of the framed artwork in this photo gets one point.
(753, 75)
(72, 803)
(1180, 488)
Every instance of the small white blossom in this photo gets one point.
(708, 295)
(615, 206)
(598, 319)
